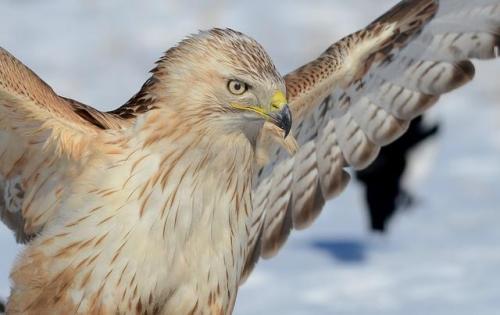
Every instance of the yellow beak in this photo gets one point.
(278, 111)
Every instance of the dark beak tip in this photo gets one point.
(286, 120)
(287, 132)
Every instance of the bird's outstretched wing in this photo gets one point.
(359, 95)
(43, 137)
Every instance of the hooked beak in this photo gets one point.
(283, 119)
(278, 112)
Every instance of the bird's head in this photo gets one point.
(225, 78)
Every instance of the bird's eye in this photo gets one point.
(237, 87)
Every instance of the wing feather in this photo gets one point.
(361, 94)
(43, 138)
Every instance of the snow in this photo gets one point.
(442, 257)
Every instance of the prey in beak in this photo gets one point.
(278, 112)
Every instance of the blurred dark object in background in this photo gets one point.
(384, 193)
(2, 306)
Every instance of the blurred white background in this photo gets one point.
(441, 258)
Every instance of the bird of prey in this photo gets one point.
(164, 205)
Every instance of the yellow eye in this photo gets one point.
(237, 87)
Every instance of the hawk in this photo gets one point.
(164, 205)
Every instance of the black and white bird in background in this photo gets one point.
(383, 180)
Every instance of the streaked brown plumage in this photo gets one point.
(164, 205)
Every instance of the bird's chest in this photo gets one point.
(165, 235)
(196, 241)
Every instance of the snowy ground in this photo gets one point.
(442, 257)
